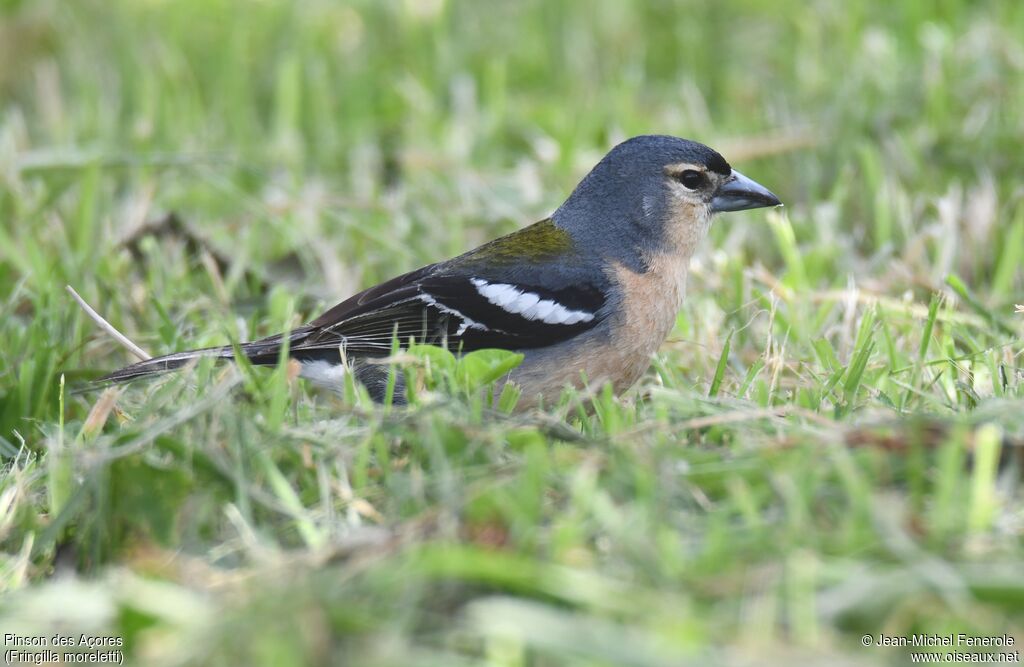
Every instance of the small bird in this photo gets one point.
(588, 294)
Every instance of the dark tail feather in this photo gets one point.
(261, 353)
(168, 362)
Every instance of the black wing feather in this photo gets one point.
(441, 309)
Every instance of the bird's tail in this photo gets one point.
(261, 353)
(167, 362)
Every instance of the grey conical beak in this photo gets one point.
(739, 193)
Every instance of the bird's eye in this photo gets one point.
(692, 179)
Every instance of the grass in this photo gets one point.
(827, 446)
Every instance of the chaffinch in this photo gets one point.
(590, 292)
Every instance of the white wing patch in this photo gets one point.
(528, 304)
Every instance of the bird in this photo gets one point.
(586, 295)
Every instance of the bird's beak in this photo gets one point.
(739, 193)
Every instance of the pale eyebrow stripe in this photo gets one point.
(680, 167)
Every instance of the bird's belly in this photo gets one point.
(649, 314)
(589, 363)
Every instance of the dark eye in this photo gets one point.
(692, 179)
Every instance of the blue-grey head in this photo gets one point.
(652, 193)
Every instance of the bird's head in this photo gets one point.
(653, 194)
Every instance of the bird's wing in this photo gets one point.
(522, 291)
(464, 312)
(488, 298)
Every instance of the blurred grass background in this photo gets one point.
(826, 447)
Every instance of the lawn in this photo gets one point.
(828, 446)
